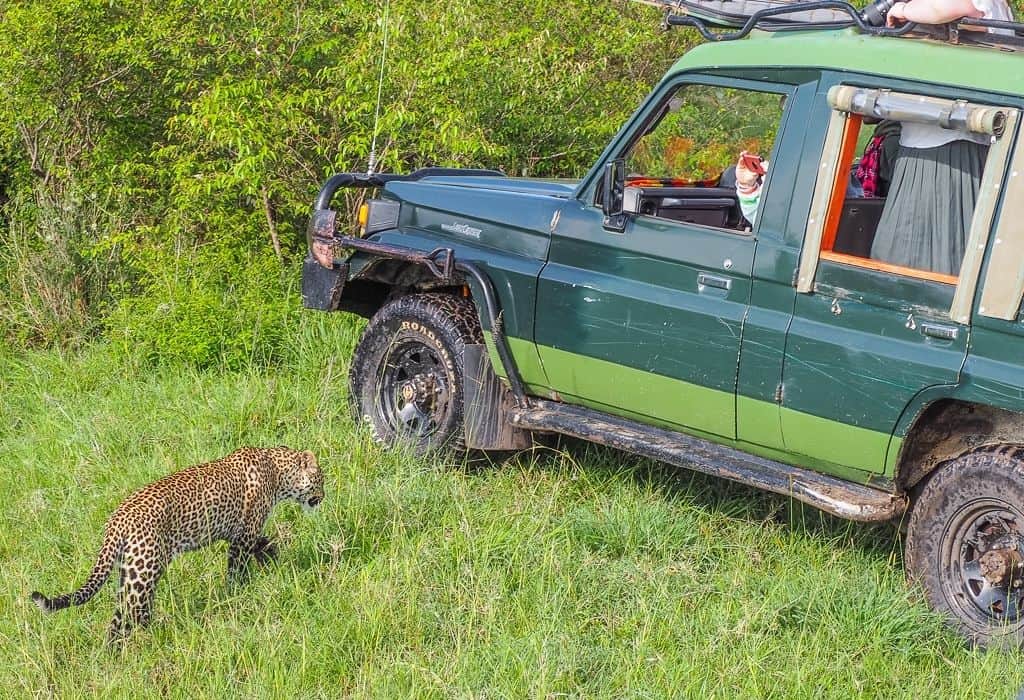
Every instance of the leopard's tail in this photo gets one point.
(110, 552)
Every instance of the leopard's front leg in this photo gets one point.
(265, 549)
(250, 542)
(252, 545)
(240, 551)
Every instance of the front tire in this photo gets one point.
(407, 374)
(965, 545)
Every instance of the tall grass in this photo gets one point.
(575, 572)
(55, 276)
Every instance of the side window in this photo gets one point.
(683, 167)
(912, 194)
(905, 211)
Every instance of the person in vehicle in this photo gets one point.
(942, 11)
(938, 171)
(871, 179)
(874, 170)
(749, 174)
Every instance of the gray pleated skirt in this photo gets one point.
(928, 212)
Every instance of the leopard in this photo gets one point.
(229, 499)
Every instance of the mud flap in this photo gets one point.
(321, 288)
(487, 403)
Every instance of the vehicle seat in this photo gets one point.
(858, 225)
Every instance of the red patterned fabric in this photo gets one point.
(867, 171)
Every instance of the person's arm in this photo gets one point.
(748, 189)
(887, 161)
(932, 11)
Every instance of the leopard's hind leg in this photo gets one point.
(141, 570)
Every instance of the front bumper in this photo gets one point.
(322, 287)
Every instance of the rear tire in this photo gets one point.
(965, 545)
(407, 374)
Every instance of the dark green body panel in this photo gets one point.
(858, 358)
(786, 201)
(512, 218)
(832, 380)
(994, 372)
(634, 299)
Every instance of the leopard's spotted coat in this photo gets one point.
(228, 499)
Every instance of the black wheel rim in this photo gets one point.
(984, 560)
(415, 397)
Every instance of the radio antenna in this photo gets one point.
(371, 167)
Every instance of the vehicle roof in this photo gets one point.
(980, 68)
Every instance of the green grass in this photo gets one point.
(578, 572)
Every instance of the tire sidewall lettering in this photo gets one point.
(439, 321)
(417, 328)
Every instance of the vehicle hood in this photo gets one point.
(516, 215)
(550, 188)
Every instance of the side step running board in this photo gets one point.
(835, 496)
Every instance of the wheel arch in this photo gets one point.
(947, 428)
(380, 280)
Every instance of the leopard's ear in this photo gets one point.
(309, 459)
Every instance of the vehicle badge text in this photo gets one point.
(462, 229)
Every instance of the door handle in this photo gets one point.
(706, 280)
(941, 332)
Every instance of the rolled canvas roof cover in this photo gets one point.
(734, 13)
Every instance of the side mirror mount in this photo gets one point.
(613, 188)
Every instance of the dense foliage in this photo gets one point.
(703, 130)
(158, 160)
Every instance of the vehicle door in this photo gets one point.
(867, 336)
(645, 319)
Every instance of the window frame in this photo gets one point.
(641, 127)
(829, 195)
(1003, 289)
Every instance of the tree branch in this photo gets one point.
(268, 209)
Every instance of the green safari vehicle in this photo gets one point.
(640, 307)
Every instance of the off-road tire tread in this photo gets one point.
(455, 323)
(995, 471)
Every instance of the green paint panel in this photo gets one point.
(845, 50)
(643, 393)
(670, 403)
(758, 421)
(858, 358)
(764, 342)
(636, 299)
(524, 354)
(837, 443)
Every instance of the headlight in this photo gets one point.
(378, 215)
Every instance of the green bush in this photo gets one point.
(55, 274)
(199, 135)
(215, 309)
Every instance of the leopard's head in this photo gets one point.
(301, 479)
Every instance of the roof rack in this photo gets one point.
(744, 16)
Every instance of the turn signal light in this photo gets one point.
(364, 216)
(378, 215)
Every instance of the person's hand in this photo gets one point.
(897, 15)
(746, 174)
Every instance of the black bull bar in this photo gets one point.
(322, 287)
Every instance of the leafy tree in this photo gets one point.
(159, 149)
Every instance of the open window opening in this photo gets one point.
(683, 165)
(857, 200)
(922, 212)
